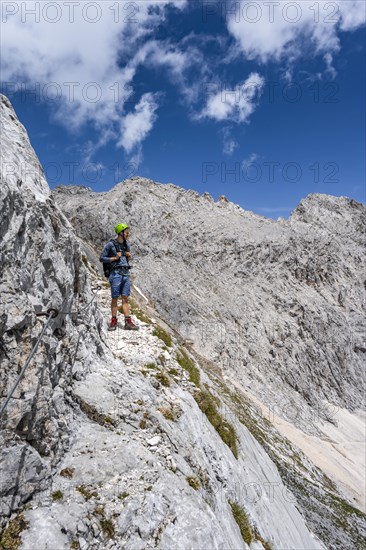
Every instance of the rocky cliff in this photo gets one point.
(156, 439)
(41, 268)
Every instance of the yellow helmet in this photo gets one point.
(120, 227)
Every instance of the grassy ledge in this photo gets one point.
(241, 518)
(187, 364)
(163, 335)
(208, 405)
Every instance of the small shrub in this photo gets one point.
(194, 482)
(57, 495)
(10, 537)
(266, 545)
(242, 520)
(163, 378)
(67, 472)
(105, 524)
(167, 413)
(173, 372)
(151, 366)
(87, 494)
(123, 495)
(75, 545)
(187, 364)
(163, 335)
(143, 421)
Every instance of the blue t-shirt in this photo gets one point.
(109, 251)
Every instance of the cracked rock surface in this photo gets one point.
(137, 440)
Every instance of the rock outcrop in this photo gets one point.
(139, 440)
(41, 268)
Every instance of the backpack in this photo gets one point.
(108, 267)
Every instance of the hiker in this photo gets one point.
(115, 257)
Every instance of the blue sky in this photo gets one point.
(261, 102)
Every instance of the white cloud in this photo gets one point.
(229, 143)
(247, 162)
(229, 146)
(236, 104)
(330, 70)
(276, 30)
(136, 125)
(78, 60)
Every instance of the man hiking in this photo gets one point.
(116, 254)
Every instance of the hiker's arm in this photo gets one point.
(106, 256)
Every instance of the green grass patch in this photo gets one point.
(138, 312)
(87, 493)
(163, 378)
(167, 413)
(57, 495)
(123, 495)
(151, 366)
(187, 364)
(266, 545)
(208, 405)
(105, 523)
(241, 518)
(163, 335)
(10, 537)
(173, 372)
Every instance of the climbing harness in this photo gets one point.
(51, 313)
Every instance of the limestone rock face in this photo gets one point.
(138, 440)
(41, 268)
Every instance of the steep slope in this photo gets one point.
(129, 440)
(79, 405)
(278, 304)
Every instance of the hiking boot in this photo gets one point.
(130, 325)
(113, 325)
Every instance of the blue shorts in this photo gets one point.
(120, 284)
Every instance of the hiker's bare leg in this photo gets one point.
(114, 307)
(125, 306)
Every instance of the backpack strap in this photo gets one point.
(116, 246)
